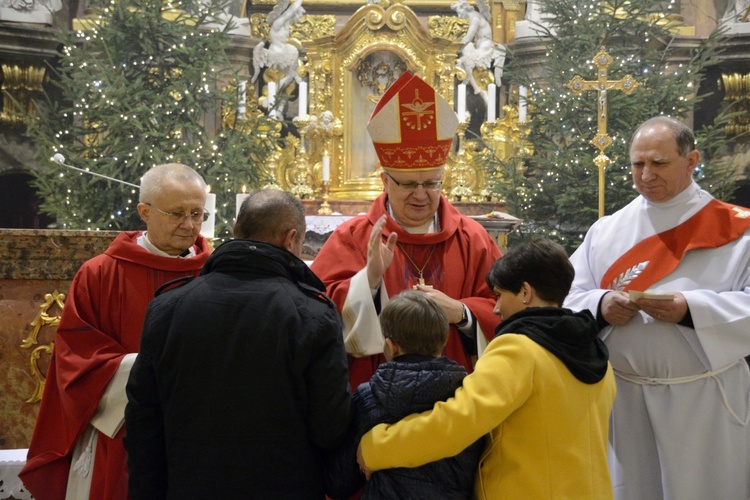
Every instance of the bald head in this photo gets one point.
(153, 181)
(683, 136)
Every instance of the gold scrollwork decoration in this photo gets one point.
(396, 19)
(43, 319)
(21, 83)
(737, 95)
(308, 28)
(451, 27)
(375, 19)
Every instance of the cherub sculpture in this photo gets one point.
(479, 50)
(29, 11)
(279, 54)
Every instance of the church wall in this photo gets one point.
(703, 14)
(19, 305)
(34, 265)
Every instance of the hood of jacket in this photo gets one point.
(571, 336)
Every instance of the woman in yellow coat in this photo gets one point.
(543, 391)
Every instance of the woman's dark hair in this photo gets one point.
(541, 262)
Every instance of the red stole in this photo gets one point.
(713, 226)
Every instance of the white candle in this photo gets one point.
(522, 93)
(326, 171)
(271, 94)
(242, 91)
(207, 229)
(461, 104)
(239, 198)
(491, 96)
(302, 100)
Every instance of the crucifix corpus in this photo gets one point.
(602, 140)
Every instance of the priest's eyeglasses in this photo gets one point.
(180, 217)
(413, 186)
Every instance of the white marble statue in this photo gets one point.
(29, 11)
(479, 50)
(535, 23)
(533, 11)
(736, 12)
(280, 54)
(240, 25)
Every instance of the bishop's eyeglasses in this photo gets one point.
(180, 217)
(413, 186)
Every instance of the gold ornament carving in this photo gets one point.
(43, 319)
(737, 95)
(309, 27)
(378, 75)
(450, 27)
(21, 83)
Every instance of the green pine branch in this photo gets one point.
(136, 90)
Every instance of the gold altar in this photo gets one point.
(348, 68)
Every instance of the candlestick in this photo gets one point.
(242, 90)
(461, 104)
(207, 228)
(522, 93)
(240, 198)
(302, 100)
(491, 95)
(325, 207)
(301, 171)
(326, 170)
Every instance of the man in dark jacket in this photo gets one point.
(241, 381)
(413, 379)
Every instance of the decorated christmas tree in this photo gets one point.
(139, 83)
(555, 189)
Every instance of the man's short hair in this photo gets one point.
(541, 263)
(152, 181)
(416, 322)
(683, 136)
(267, 215)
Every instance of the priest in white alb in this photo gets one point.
(679, 425)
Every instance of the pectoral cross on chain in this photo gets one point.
(602, 85)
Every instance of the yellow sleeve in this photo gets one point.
(500, 383)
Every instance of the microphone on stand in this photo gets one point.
(60, 160)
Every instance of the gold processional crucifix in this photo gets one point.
(602, 140)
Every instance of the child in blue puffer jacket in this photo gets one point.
(413, 379)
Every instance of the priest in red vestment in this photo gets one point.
(411, 238)
(76, 450)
